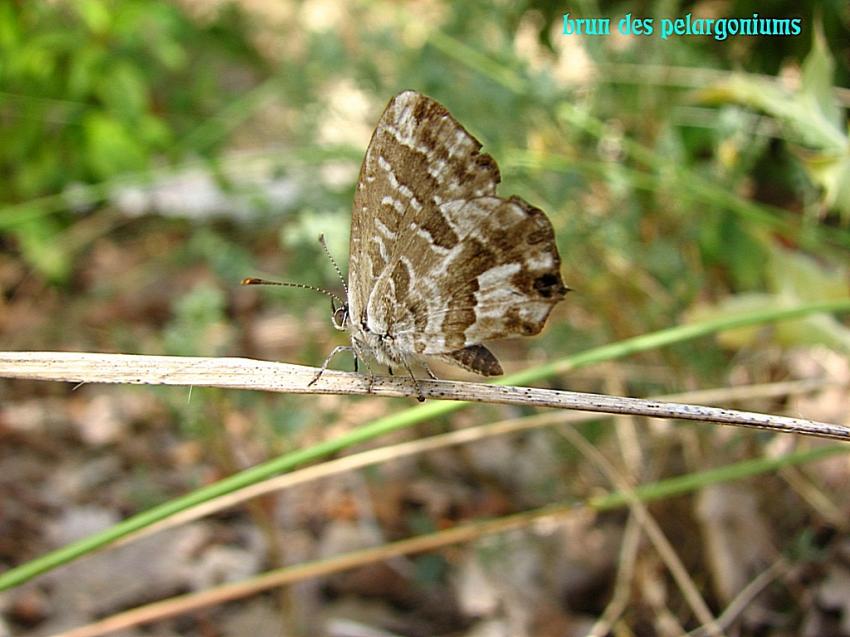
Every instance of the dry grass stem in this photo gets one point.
(243, 373)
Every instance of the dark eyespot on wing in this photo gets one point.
(549, 285)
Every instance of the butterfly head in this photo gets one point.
(340, 316)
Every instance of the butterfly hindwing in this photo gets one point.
(501, 278)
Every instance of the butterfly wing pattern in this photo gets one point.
(438, 262)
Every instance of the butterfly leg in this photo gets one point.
(419, 395)
(371, 376)
(334, 352)
(431, 374)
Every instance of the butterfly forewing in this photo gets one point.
(438, 262)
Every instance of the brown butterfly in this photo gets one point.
(438, 262)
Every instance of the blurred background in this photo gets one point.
(154, 153)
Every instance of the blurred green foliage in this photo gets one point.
(683, 179)
(91, 90)
(662, 197)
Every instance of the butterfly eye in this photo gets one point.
(340, 317)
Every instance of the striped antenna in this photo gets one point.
(333, 262)
(286, 284)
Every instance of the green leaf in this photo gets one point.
(95, 15)
(84, 68)
(154, 131)
(10, 31)
(793, 278)
(738, 304)
(39, 173)
(123, 89)
(110, 148)
(832, 173)
(812, 116)
(795, 111)
(42, 248)
(817, 77)
(797, 276)
(170, 54)
(812, 113)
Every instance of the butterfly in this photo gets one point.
(438, 263)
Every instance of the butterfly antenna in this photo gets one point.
(333, 262)
(303, 286)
